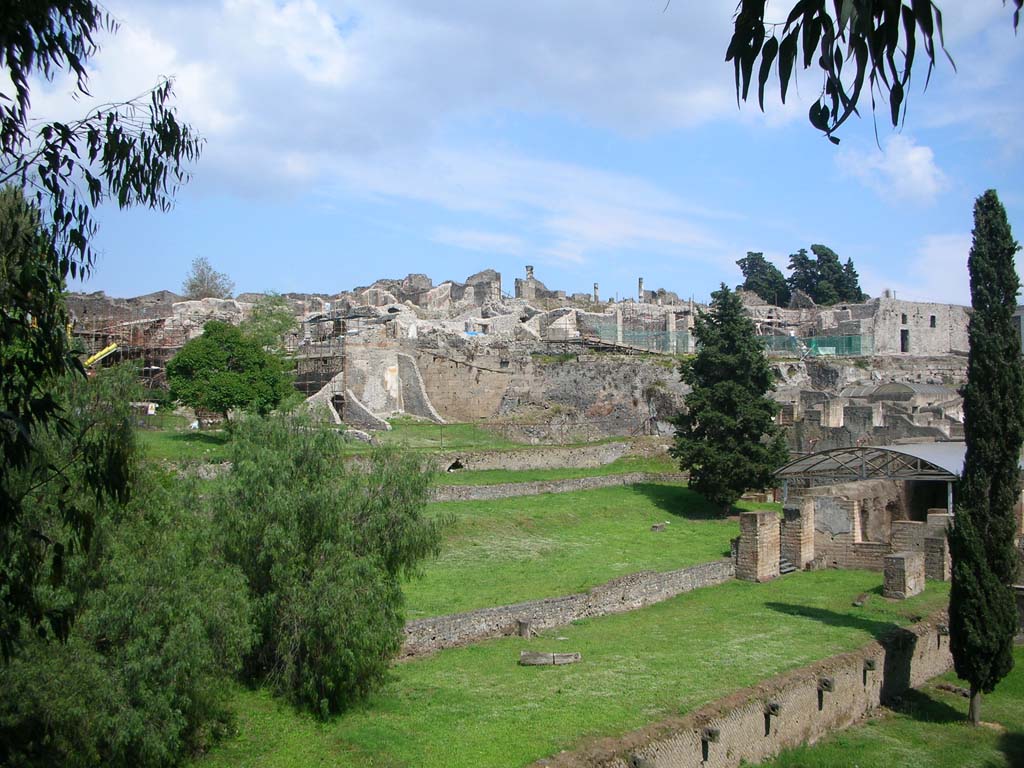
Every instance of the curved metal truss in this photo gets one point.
(926, 461)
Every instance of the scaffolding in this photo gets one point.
(819, 346)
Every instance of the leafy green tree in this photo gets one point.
(160, 620)
(270, 321)
(205, 282)
(727, 438)
(223, 370)
(823, 278)
(983, 617)
(324, 544)
(764, 278)
(852, 42)
(135, 153)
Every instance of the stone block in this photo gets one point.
(797, 543)
(904, 575)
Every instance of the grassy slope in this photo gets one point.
(475, 707)
(617, 467)
(505, 551)
(929, 731)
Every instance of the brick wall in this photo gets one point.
(904, 659)
(626, 594)
(757, 557)
(510, 490)
(797, 537)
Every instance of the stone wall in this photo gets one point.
(583, 456)
(462, 391)
(414, 397)
(510, 490)
(797, 543)
(786, 711)
(625, 594)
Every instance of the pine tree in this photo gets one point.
(983, 617)
(763, 278)
(727, 438)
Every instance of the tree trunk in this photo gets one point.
(974, 711)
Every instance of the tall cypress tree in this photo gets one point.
(983, 616)
(727, 438)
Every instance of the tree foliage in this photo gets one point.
(135, 153)
(323, 544)
(764, 278)
(269, 322)
(223, 370)
(823, 278)
(203, 281)
(727, 438)
(853, 43)
(983, 617)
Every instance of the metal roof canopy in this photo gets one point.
(912, 461)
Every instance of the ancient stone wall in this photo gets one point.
(786, 711)
(918, 328)
(625, 594)
(510, 490)
(463, 391)
(797, 544)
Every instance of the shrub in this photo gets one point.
(324, 545)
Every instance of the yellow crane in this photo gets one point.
(93, 359)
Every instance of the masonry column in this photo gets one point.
(670, 328)
(618, 326)
(757, 558)
(938, 564)
(798, 533)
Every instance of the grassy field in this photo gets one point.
(506, 551)
(425, 435)
(617, 467)
(183, 445)
(928, 730)
(475, 706)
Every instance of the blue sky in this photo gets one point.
(598, 140)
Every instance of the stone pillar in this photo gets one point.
(618, 326)
(757, 558)
(597, 300)
(529, 272)
(904, 575)
(938, 564)
(1019, 590)
(670, 329)
(797, 544)
(640, 290)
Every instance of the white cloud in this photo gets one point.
(571, 210)
(902, 171)
(938, 272)
(476, 240)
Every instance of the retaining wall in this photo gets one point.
(625, 594)
(583, 456)
(509, 490)
(741, 726)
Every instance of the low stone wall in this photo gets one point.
(583, 456)
(785, 711)
(625, 594)
(510, 490)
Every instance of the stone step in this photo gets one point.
(785, 566)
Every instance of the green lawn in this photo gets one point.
(185, 445)
(425, 435)
(618, 467)
(506, 551)
(928, 730)
(476, 707)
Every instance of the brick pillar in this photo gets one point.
(758, 556)
(797, 544)
(904, 575)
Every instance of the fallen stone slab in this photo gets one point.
(537, 659)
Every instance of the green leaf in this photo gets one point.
(768, 54)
